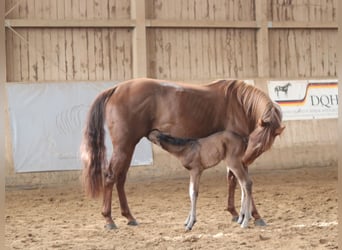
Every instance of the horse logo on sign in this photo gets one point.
(283, 88)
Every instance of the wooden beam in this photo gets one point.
(3, 121)
(40, 23)
(138, 13)
(156, 23)
(159, 23)
(302, 25)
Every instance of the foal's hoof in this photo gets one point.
(133, 223)
(111, 226)
(260, 223)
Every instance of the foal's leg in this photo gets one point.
(258, 221)
(231, 183)
(195, 175)
(246, 191)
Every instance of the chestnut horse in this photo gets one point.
(132, 109)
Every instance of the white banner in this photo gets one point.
(306, 99)
(47, 121)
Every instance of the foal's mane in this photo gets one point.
(174, 140)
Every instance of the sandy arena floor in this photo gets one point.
(300, 207)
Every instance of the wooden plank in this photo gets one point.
(211, 53)
(113, 55)
(23, 8)
(78, 53)
(123, 9)
(12, 10)
(9, 56)
(262, 40)
(91, 54)
(126, 37)
(90, 11)
(60, 53)
(46, 57)
(32, 56)
(24, 64)
(139, 38)
(40, 54)
(106, 54)
(4, 124)
(16, 59)
(98, 55)
(69, 62)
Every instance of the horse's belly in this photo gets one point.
(188, 126)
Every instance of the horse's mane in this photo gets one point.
(260, 110)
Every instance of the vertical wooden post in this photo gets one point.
(262, 42)
(339, 73)
(2, 120)
(138, 13)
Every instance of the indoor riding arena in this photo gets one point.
(61, 54)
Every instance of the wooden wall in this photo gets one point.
(190, 40)
(183, 40)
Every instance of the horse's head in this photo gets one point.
(262, 137)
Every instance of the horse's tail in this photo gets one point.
(93, 150)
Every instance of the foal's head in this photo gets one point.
(262, 138)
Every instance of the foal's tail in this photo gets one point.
(93, 150)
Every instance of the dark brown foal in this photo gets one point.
(197, 155)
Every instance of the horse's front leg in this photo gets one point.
(195, 175)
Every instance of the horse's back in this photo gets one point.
(184, 110)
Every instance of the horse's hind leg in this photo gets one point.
(116, 173)
(109, 180)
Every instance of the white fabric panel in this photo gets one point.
(47, 120)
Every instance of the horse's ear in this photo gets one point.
(279, 130)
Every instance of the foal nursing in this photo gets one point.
(199, 154)
(132, 109)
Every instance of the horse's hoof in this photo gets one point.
(244, 225)
(240, 219)
(235, 218)
(188, 229)
(111, 226)
(260, 222)
(133, 223)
